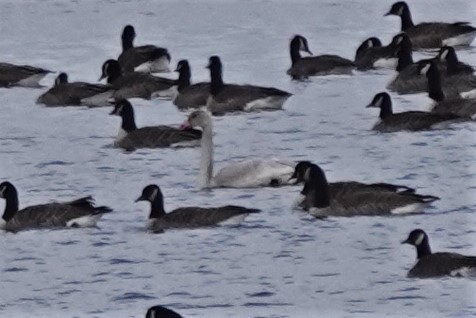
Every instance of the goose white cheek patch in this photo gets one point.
(419, 239)
(153, 195)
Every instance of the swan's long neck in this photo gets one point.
(206, 159)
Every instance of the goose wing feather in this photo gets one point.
(10, 73)
(54, 214)
(138, 55)
(465, 108)
(71, 94)
(412, 121)
(193, 96)
(432, 34)
(441, 264)
(193, 217)
(322, 64)
(157, 136)
(140, 85)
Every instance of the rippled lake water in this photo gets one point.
(279, 263)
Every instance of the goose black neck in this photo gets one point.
(434, 84)
(294, 50)
(452, 64)
(11, 205)
(114, 74)
(157, 208)
(318, 182)
(216, 83)
(128, 122)
(184, 78)
(386, 107)
(424, 248)
(127, 43)
(405, 57)
(406, 18)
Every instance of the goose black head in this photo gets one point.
(161, 312)
(299, 43)
(367, 44)
(150, 193)
(398, 8)
(111, 69)
(379, 100)
(447, 53)
(61, 79)
(300, 171)
(122, 107)
(416, 238)
(7, 189)
(182, 65)
(128, 33)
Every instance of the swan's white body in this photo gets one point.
(242, 174)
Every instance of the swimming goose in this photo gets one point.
(77, 213)
(243, 174)
(407, 81)
(454, 104)
(188, 217)
(432, 34)
(371, 54)
(409, 120)
(303, 67)
(321, 200)
(136, 84)
(161, 312)
(64, 93)
(299, 176)
(21, 75)
(437, 264)
(189, 96)
(130, 137)
(448, 56)
(145, 58)
(225, 98)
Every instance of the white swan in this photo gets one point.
(243, 174)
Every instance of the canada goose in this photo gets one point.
(304, 199)
(454, 67)
(371, 54)
(161, 312)
(64, 93)
(188, 217)
(145, 58)
(303, 67)
(437, 264)
(407, 81)
(135, 84)
(243, 174)
(77, 213)
(225, 98)
(455, 104)
(21, 75)
(410, 81)
(321, 200)
(432, 34)
(409, 120)
(130, 137)
(189, 96)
